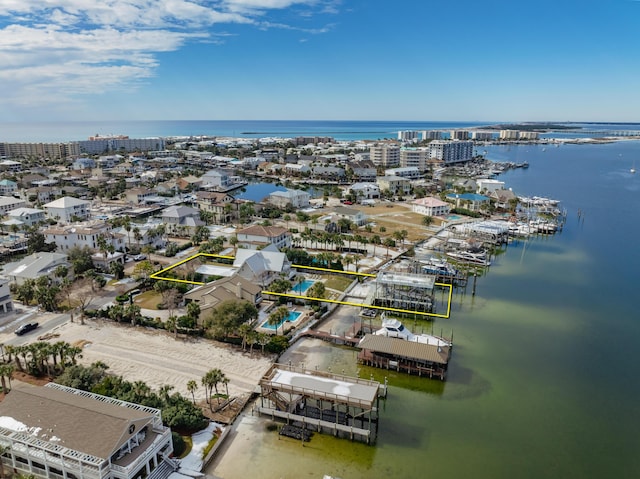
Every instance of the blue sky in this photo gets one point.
(493, 60)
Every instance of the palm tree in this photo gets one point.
(263, 340)
(277, 317)
(192, 387)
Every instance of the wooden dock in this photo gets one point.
(350, 337)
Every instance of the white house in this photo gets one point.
(27, 216)
(8, 203)
(55, 431)
(364, 191)
(68, 209)
(488, 186)
(181, 220)
(84, 234)
(256, 236)
(6, 303)
(411, 172)
(215, 179)
(293, 198)
(430, 207)
(262, 267)
(357, 217)
(7, 186)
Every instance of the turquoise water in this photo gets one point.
(303, 286)
(543, 381)
(453, 217)
(291, 317)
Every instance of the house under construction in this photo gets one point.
(322, 402)
(412, 292)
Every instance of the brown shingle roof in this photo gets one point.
(72, 421)
(406, 349)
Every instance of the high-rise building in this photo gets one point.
(459, 134)
(451, 151)
(385, 155)
(415, 157)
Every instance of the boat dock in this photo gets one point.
(321, 402)
(350, 337)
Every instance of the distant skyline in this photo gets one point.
(494, 61)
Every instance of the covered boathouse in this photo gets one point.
(322, 402)
(398, 354)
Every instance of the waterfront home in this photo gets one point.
(35, 266)
(189, 183)
(139, 196)
(430, 206)
(396, 185)
(296, 169)
(67, 209)
(55, 431)
(289, 198)
(216, 180)
(328, 172)
(487, 186)
(210, 295)
(181, 220)
(503, 199)
(141, 235)
(262, 267)
(364, 171)
(256, 236)
(469, 201)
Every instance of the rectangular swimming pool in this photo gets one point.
(291, 317)
(302, 287)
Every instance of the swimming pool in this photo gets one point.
(302, 288)
(454, 217)
(291, 317)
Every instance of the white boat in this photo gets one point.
(469, 257)
(393, 328)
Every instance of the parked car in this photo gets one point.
(25, 328)
(140, 257)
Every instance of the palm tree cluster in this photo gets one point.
(210, 381)
(39, 359)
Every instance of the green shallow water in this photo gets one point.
(543, 380)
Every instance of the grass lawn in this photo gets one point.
(148, 300)
(338, 282)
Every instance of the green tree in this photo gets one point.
(228, 316)
(277, 317)
(427, 220)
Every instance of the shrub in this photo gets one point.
(179, 445)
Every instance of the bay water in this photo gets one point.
(544, 377)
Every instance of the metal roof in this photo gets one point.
(405, 349)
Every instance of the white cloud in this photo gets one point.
(57, 49)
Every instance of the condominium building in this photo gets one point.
(385, 155)
(431, 135)
(451, 151)
(39, 150)
(508, 134)
(408, 135)
(104, 144)
(528, 135)
(415, 157)
(64, 433)
(459, 134)
(482, 135)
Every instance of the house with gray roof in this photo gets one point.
(67, 209)
(293, 198)
(34, 266)
(181, 220)
(55, 431)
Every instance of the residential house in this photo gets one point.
(83, 163)
(67, 209)
(8, 187)
(8, 203)
(27, 216)
(139, 196)
(487, 186)
(235, 287)
(103, 261)
(257, 236)
(216, 180)
(189, 183)
(503, 199)
(262, 267)
(469, 201)
(142, 235)
(55, 431)
(329, 172)
(6, 302)
(430, 206)
(296, 169)
(364, 191)
(222, 206)
(356, 217)
(396, 185)
(411, 172)
(289, 198)
(181, 220)
(84, 234)
(34, 266)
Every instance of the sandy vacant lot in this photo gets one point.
(156, 358)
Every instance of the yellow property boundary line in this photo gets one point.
(157, 274)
